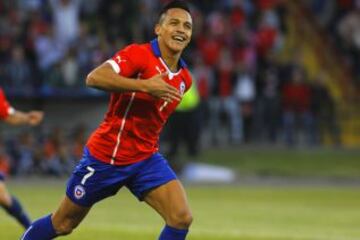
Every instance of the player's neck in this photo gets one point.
(171, 59)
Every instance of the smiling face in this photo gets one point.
(174, 30)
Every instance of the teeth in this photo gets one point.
(179, 38)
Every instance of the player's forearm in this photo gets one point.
(18, 118)
(104, 78)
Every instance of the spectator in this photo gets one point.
(49, 51)
(223, 100)
(112, 13)
(66, 20)
(25, 152)
(55, 153)
(349, 32)
(296, 102)
(204, 77)
(269, 104)
(245, 93)
(70, 70)
(18, 71)
(323, 109)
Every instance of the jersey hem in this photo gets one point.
(119, 161)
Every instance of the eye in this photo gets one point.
(187, 26)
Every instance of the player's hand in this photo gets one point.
(35, 117)
(157, 87)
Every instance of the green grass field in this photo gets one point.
(257, 211)
(275, 161)
(221, 213)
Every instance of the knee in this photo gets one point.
(5, 201)
(64, 228)
(2, 201)
(181, 219)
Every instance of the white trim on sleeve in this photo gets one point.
(11, 110)
(114, 65)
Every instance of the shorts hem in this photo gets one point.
(75, 201)
(142, 194)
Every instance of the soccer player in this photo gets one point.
(14, 117)
(146, 82)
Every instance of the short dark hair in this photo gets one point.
(175, 4)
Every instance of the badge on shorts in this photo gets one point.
(79, 192)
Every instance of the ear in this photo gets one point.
(157, 29)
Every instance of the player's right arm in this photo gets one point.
(15, 117)
(114, 76)
(31, 118)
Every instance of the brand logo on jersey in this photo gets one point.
(119, 60)
(182, 88)
(79, 192)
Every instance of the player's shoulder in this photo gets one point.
(136, 53)
(186, 73)
(138, 48)
(187, 76)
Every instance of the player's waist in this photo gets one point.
(120, 155)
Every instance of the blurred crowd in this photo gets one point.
(245, 92)
(54, 152)
(341, 20)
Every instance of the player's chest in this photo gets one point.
(153, 104)
(176, 79)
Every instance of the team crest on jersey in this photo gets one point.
(182, 87)
(79, 192)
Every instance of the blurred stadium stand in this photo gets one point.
(246, 57)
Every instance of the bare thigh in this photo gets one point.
(171, 203)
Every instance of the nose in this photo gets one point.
(180, 28)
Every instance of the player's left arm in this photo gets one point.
(31, 118)
(120, 73)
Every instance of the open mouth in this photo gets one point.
(179, 39)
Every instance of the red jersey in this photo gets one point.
(5, 108)
(131, 128)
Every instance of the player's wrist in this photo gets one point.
(27, 119)
(143, 86)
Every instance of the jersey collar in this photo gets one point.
(156, 50)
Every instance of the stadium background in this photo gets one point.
(278, 85)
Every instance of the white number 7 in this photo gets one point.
(88, 175)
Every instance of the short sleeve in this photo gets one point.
(5, 108)
(129, 61)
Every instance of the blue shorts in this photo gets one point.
(2, 177)
(93, 180)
